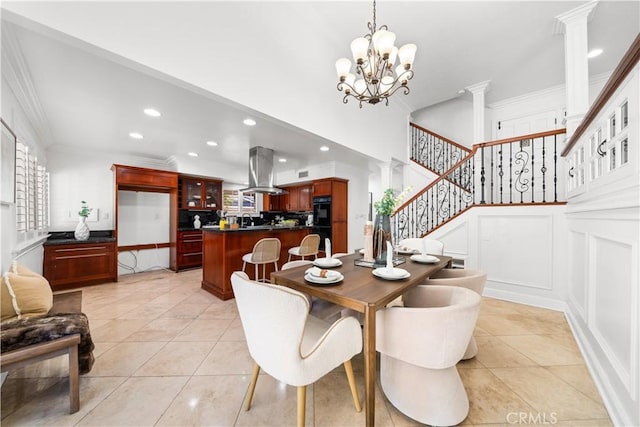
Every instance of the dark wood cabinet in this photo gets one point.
(337, 189)
(305, 198)
(189, 249)
(298, 198)
(200, 193)
(273, 202)
(322, 187)
(80, 264)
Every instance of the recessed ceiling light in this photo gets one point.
(136, 135)
(282, 160)
(152, 112)
(324, 148)
(461, 91)
(594, 53)
(249, 122)
(192, 154)
(212, 143)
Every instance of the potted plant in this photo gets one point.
(382, 225)
(82, 230)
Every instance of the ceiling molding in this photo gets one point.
(18, 77)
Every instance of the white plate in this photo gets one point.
(424, 259)
(408, 251)
(323, 280)
(398, 273)
(327, 263)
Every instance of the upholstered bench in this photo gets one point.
(28, 338)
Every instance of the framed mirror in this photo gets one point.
(7, 165)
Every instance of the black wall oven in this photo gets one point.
(322, 211)
(322, 218)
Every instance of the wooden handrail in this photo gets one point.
(629, 60)
(447, 140)
(521, 137)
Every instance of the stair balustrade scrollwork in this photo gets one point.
(521, 170)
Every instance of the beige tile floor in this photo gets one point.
(170, 354)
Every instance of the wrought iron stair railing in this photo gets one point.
(435, 152)
(514, 171)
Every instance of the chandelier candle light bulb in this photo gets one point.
(375, 56)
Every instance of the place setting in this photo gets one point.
(423, 258)
(322, 276)
(389, 272)
(327, 261)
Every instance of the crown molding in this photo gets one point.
(16, 73)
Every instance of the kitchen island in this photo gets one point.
(222, 252)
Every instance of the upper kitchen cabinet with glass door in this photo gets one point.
(200, 193)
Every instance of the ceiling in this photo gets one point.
(93, 98)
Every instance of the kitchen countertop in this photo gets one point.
(67, 238)
(215, 228)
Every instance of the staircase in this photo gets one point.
(510, 172)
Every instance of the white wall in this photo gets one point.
(26, 247)
(452, 119)
(143, 218)
(603, 220)
(523, 249)
(367, 130)
(77, 176)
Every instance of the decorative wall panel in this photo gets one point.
(517, 250)
(577, 273)
(613, 305)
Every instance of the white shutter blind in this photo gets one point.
(21, 187)
(42, 192)
(32, 193)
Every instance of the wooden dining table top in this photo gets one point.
(360, 287)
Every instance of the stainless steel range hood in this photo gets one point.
(261, 172)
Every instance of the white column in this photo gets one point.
(478, 90)
(386, 175)
(576, 63)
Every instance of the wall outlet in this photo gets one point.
(93, 215)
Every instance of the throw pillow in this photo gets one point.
(24, 296)
(18, 268)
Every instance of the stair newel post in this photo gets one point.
(482, 177)
(555, 168)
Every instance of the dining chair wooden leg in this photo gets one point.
(352, 384)
(252, 386)
(302, 400)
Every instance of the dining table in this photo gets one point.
(364, 292)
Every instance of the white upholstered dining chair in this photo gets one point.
(419, 347)
(319, 308)
(464, 278)
(290, 345)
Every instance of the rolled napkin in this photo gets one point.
(327, 248)
(389, 258)
(325, 274)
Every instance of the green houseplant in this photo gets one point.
(382, 224)
(82, 229)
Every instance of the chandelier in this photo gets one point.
(375, 56)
